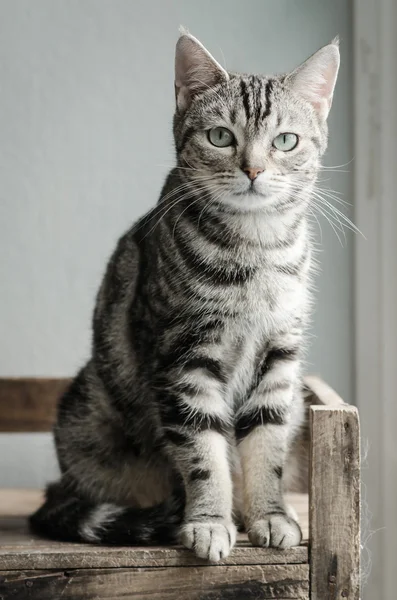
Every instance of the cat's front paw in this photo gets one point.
(210, 540)
(275, 530)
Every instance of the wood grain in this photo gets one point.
(179, 583)
(335, 503)
(29, 404)
(20, 549)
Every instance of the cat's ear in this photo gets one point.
(315, 79)
(195, 70)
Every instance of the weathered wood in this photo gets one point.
(179, 583)
(27, 552)
(29, 404)
(19, 549)
(335, 503)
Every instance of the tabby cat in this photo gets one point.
(182, 420)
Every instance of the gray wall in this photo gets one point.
(86, 102)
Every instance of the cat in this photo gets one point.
(182, 420)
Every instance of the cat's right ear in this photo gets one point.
(195, 70)
(315, 79)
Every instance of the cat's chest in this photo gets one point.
(267, 310)
(269, 302)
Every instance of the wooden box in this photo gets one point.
(324, 567)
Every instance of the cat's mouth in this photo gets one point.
(251, 190)
(260, 188)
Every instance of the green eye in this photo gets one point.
(286, 142)
(220, 137)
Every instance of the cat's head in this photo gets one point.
(251, 141)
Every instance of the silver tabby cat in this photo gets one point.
(181, 423)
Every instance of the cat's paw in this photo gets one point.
(210, 540)
(275, 530)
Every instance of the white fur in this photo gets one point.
(99, 517)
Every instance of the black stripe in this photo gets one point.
(177, 437)
(316, 142)
(199, 475)
(212, 228)
(210, 365)
(189, 389)
(277, 386)
(245, 97)
(293, 269)
(225, 275)
(258, 99)
(283, 207)
(265, 361)
(280, 512)
(229, 537)
(186, 343)
(280, 354)
(210, 544)
(260, 416)
(174, 413)
(268, 91)
(278, 472)
(185, 138)
(179, 286)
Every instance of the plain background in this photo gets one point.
(86, 103)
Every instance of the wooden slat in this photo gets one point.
(29, 404)
(290, 582)
(335, 503)
(41, 554)
(20, 549)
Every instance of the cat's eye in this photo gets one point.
(221, 137)
(286, 142)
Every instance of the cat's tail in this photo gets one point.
(69, 517)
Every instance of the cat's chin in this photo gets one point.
(250, 201)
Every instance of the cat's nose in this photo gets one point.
(252, 172)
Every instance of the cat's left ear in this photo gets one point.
(195, 70)
(315, 79)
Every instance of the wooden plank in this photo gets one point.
(335, 503)
(95, 557)
(289, 582)
(33, 553)
(29, 404)
(20, 549)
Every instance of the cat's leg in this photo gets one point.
(195, 422)
(263, 431)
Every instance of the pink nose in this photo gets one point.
(252, 172)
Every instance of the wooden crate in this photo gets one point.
(324, 567)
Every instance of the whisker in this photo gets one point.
(328, 218)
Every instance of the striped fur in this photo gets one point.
(198, 331)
